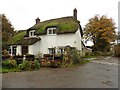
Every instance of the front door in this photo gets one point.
(24, 50)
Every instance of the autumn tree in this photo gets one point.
(7, 31)
(100, 30)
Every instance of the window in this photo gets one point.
(14, 50)
(54, 31)
(61, 50)
(32, 33)
(10, 50)
(51, 50)
(51, 31)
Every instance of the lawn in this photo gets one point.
(6, 70)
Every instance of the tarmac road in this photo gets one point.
(101, 73)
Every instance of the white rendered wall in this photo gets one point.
(18, 50)
(34, 49)
(78, 40)
(55, 41)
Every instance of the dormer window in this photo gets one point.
(51, 31)
(32, 33)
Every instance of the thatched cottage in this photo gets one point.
(48, 37)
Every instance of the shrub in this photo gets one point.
(9, 64)
(117, 50)
(71, 57)
(25, 65)
(37, 64)
(5, 52)
(75, 56)
(55, 63)
(99, 53)
(89, 54)
(29, 65)
(5, 63)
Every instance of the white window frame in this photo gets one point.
(13, 50)
(32, 33)
(52, 30)
(52, 50)
(61, 50)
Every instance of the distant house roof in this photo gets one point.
(64, 25)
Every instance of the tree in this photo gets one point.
(100, 30)
(7, 31)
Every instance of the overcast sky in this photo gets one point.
(22, 13)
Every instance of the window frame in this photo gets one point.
(51, 31)
(32, 33)
(52, 50)
(61, 50)
(14, 50)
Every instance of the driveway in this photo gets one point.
(101, 73)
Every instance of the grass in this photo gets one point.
(89, 56)
(6, 70)
(85, 61)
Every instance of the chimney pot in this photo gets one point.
(75, 13)
(37, 20)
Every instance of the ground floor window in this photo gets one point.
(12, 50)
(61, 50)
(51, 50)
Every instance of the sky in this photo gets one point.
(22, 13)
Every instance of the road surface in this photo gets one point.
(101, 73)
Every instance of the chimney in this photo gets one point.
(37, 20)
(75, 13)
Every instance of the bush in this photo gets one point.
(55, 63)
(117, 50)
(37, 64)
(9, 64)
(75, 56)
(5, 52)
(71, 57)
(29, 65)
(89, 54)
(99, 53)
(25, 65)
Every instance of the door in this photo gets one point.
(24, 50)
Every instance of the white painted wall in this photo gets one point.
(51, 41)
(34, 49)
(19, 50)
(78, 40)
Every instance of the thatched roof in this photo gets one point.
(64, 25)
(19, 39)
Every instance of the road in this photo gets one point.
(101, 73)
